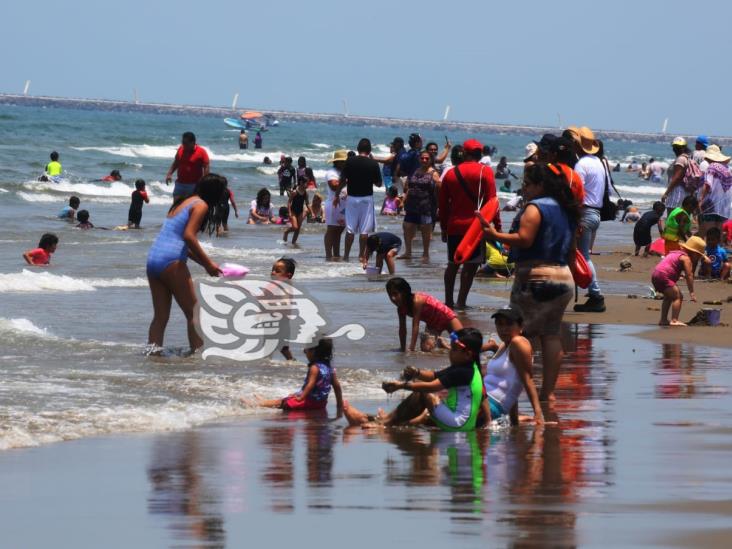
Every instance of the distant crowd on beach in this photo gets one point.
(566, 193)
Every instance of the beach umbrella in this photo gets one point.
(249, 115)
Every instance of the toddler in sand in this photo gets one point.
(321, 376)
(667, 273)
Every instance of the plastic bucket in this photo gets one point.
(712, 316)
(372, 273)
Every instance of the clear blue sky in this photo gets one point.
(612, 65)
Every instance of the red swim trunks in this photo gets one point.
(291, 403)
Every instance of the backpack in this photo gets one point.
(693, 176)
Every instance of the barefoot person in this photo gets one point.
(458, 411)
(360, 174)
(422, 308)
(321, 376)
(667, 273)
(167, 270)
(419, 198)
(464, 189)
(335, 207)
(508, 372)
(542, 241)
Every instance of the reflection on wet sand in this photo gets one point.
(612, 456)
(179, 490)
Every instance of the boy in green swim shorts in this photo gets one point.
(458, 411)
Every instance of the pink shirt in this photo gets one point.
(670, 268)
(435, 313)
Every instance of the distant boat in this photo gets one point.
(234, 123)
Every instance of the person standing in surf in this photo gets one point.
(167, 270)
(191, 162)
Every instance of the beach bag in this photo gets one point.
(693, 177)
(609, 210)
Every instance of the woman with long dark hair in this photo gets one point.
(167, 270)
(542, 241)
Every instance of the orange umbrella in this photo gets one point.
(250, 115)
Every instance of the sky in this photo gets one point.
(623, 65)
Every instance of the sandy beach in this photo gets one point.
(626, 297)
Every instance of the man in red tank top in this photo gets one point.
(191, 162)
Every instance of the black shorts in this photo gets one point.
(453, 241)
(134, 217)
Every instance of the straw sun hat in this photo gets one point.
(695, 244)
(714, 154)
(339, 156)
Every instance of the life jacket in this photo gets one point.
(671, 231)
(476, 398)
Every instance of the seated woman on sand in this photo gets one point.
(458, 411)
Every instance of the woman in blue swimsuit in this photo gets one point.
(167, 271)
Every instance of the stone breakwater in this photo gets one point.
(352, 120)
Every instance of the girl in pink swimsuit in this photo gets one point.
(668, 272)
(422, 308)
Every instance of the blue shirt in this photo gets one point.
(66, 212)
(718, 256)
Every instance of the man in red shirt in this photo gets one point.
(191, 162)
(464, 189)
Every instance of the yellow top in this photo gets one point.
(53, 168)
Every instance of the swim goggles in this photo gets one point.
(455, 340)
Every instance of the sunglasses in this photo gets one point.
(455, 340)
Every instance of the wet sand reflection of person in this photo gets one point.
(675, 376)
(178, 488)
(279, 472)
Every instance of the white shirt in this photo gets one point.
(486, 160)
(592, 172)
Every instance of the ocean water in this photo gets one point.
(71, 359)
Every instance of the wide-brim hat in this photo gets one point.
(587, 141)
(714, 154)
(340, 155)
(695, 244)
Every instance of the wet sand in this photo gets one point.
(639, 311)
(640, 456)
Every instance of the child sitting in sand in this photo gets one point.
(139, 196)
(83, 217)
(316, 210)
(457, 411)
(668, 272)
(718, 266)
(422, 307)
(42, 254)
(678, 224)
(321, 376)
(69, 212)
(642, 230)
(392, 204)
(508, 372)
(387, 246)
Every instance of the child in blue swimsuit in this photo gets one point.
(167, 270)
